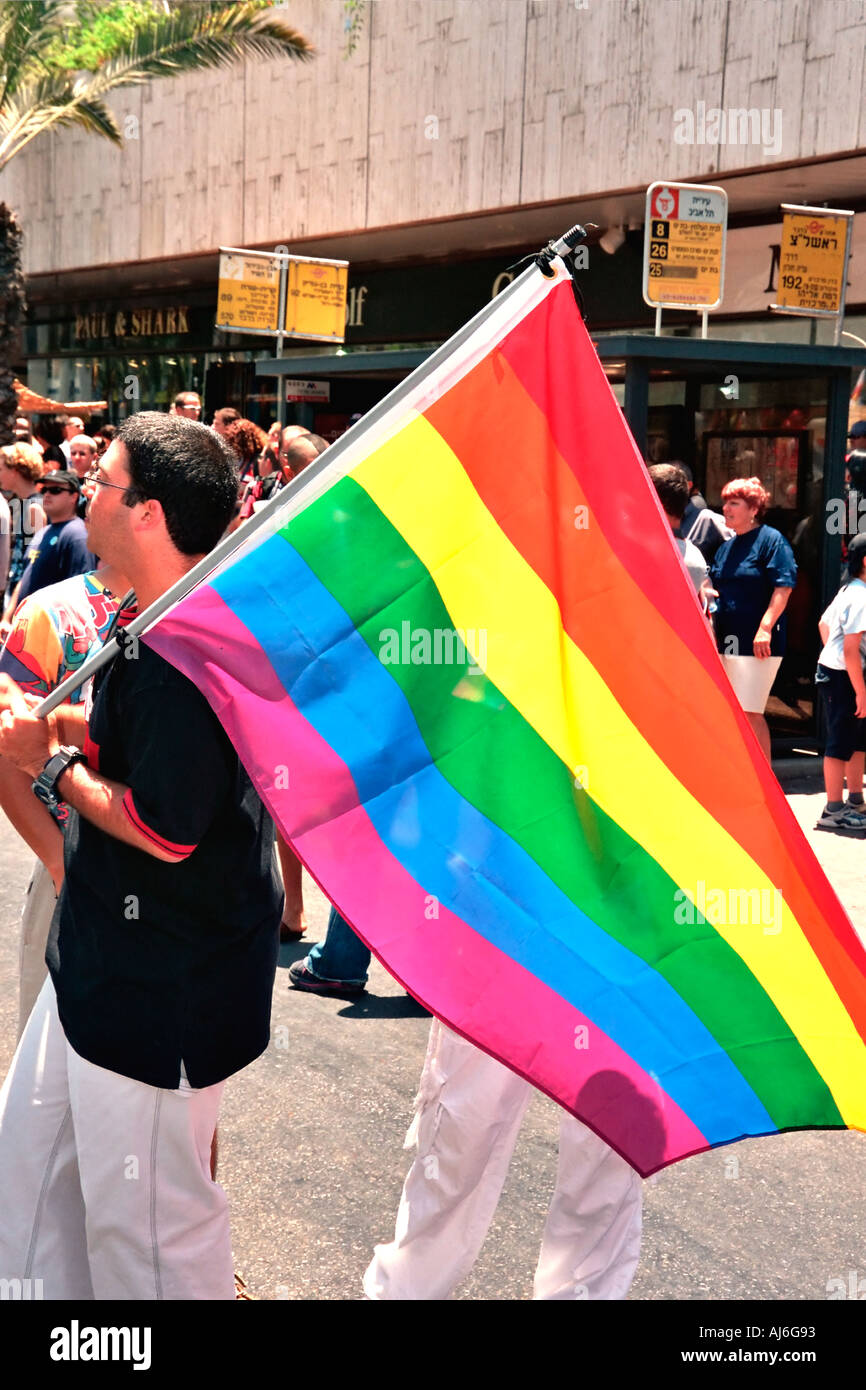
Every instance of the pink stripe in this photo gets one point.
(615, 1097)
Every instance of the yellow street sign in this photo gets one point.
(684, 246)
(249, 293)
(316, 300)
(813, 261)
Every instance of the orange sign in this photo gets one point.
(813, 260)
(316, 300)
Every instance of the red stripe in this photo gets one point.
(91, 750)
(532, 485)
(179, 851)
(572, 393)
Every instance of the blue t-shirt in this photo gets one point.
(58, 552)
(745, 571)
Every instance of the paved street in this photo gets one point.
(312, 1161)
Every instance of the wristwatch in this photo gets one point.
(45, 786)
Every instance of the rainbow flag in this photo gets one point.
(469, 676)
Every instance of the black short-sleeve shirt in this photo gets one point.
(157, 963)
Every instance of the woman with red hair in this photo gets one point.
(247, 441)
(754, 573)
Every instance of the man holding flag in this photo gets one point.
(163, 947)
(567, 876)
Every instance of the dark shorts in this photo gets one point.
(846, 734)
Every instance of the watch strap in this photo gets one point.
(55, 768)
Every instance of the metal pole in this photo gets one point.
(830, 548)
(658, 332)
(298, 485)
(281, 319)
(844, 287)
(636, 402)
(704, 319)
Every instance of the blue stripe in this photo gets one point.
(463, 858)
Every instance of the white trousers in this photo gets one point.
(468, 1113)
(39, 903)
(105, 1186)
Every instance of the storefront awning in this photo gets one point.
(371, 362)
(31, 403)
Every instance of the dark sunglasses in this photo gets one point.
(55, 491)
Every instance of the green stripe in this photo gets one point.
(498, 763)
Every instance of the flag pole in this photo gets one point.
(226, 547)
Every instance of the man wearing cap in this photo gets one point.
(857, 435)
(60, 548)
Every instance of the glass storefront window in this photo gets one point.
(773, 430)
(148, 381)
(128, 384)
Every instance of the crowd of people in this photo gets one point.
(123, 1047)
(47, 479)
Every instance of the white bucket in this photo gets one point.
(752, 678)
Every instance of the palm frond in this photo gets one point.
(51, 102)
(199, 35)
(26, 30)
(186, 38)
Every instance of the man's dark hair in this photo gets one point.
(188, 469)
(856, 556)
(672, 486)
(227, 415)
(856, 465)
(51, 429)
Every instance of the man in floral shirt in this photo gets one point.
(53, 632)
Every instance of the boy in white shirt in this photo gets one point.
(840, 678)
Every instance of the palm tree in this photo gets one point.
(40, 91)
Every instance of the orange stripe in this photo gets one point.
(532, 493)
(585, 423)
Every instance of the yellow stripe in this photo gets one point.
(486, 584)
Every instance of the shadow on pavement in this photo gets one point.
(290, 951)
(384, 1006)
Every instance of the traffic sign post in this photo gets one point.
(684, 248)
(248, 299)
(278, 295)
(813, 263)
(316, 300)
